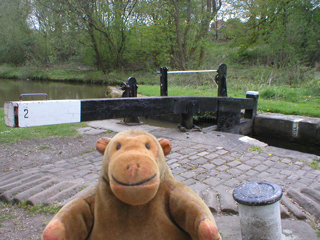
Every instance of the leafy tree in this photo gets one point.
(191, 20)
(234, 29)
(16, 39)
(118, 34)
(56, 30)
(286, 29)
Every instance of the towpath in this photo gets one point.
(209, 162)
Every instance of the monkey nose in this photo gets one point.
(133, 166)
(133, 170)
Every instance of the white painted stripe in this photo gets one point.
(9, 114)
(295, 127)
(39, 113)
(252, 93)
(252, 141)
(191, 71)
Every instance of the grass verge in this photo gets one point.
(11, 135)
(73, 74)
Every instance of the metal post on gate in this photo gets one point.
(133, 86)
(130, 90)
(221, 80)
(164, 81)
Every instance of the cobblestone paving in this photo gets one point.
(212, 172)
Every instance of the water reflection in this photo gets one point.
(10, 90)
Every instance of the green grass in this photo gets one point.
(310, 109)
(255, 149)
(11, 135)
(91, 150)
(7, 211)
(44, 147)
(178, 90)
(315, 164)
(4, 214)
(36, 209)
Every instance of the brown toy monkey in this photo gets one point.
(136, 197)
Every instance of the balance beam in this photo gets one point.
(50, 112)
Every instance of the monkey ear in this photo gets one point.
(102, 144)
(166, 145)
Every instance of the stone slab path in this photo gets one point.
(211, 163)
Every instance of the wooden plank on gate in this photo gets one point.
(100, 109)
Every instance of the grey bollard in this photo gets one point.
(259, 210)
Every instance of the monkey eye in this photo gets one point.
(147, 146)
(118, 146)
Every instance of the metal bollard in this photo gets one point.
(164, 81)
(259, 210)
(221, 80)
(130, 90)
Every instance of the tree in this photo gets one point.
(287, 28)
(107, 23)
(16, 39)
(234, 29)
(192, 20)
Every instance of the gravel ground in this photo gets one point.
(17, 223)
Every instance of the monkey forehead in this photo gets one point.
(134, 135)
(136, 141)
(140, 139)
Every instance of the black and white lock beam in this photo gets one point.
(50, 112)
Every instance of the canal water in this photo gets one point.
(10, 90)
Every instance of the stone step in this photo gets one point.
(283, 212)
(36, 188)
(24, 196)
(211, 199)
(227, 203)
(307, 203)
(59, 198)
(8, 195)
(312, 193)
(42, 196)
(83, 191)
(19, 182)
(223, 202)
(293, 208)
(15, 178)
(8, 175)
